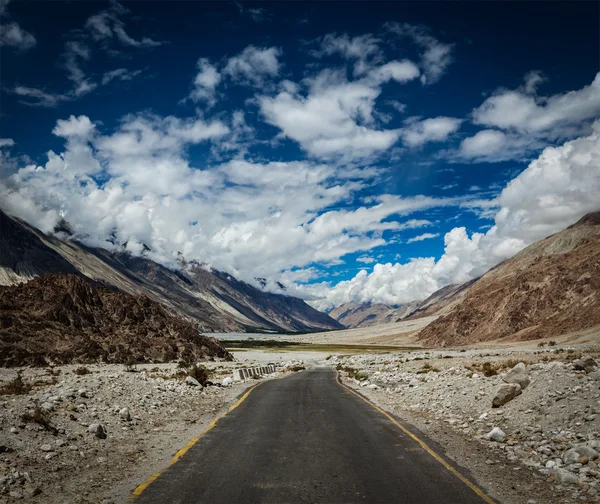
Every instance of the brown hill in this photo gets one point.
(215, 300)
(550, 288)
(65, 318)
(368, 314)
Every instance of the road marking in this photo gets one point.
(437, 457)
(137, 492)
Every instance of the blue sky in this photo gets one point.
(350, 150)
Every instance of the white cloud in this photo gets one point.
(555, 117)
(435, 55)
(553, 192)
(335, 116)
(422, 237)
(38, 97)
(74, 127)
(100, 30)
(248, 218)
(107, 26)
(437, 129)
(11, 33)
(6, 142)
(363, 49)
(366, 260)
(253, 64)
(122, 74)
(205, 83)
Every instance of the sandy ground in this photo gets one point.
(396, 334)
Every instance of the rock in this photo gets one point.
(589, 365)
(50, 455)
(505, 393)
(496, 434)
(47, 407)
(46, 447)
(190, 380)
(97, 430)
(15, 494)
(414, 383)
(226, 381)
(565, 477)
(14, 430)
(517, 374)
(125, 415)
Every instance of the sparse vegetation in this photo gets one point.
(16, 386)
(427, 368)
(296, 368)
(81, 371)
(131, 365)
(200, 373)
(39, 417)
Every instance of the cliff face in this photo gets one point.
(214, 300)
(64, 318)
(367, 314)
(551, 287)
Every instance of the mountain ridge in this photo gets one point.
(213, 299)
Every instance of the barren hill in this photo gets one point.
(550, 288)
(65, 318)
(367, 314)
(215, 300)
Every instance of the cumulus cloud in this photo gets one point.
(435, 55)
(253, 64)
(6, 142)
(205, 83)
(555, 190)
(437, 129)
(11, 33)
(558, 116)
(366, 260)
(135, 185)
(520, 123)
(423, 237)
(335, 116)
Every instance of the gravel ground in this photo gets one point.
(148, 415)
(549, 448)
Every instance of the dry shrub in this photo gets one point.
(81, 370)
(200, 373)
(17, 386)
(39, 417)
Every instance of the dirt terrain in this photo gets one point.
(52, 449)
(542, 445)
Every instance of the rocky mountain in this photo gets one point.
(65, 318)
(368, 314)
(550, 288)
(215, 300)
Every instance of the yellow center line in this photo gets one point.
(137, 492)
(437, 457)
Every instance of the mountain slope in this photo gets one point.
(549, 288)
(367, 314)
(64, 318)
(216, 301)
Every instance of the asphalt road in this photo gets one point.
(306, 439)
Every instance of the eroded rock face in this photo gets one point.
(517, 374)
(505, 393)
(92, 323)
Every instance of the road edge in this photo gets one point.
(140, 488)
(486, 498)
